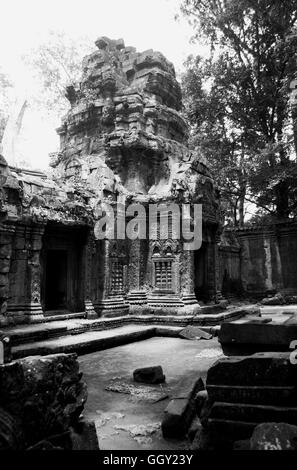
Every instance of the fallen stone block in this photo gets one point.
(277, 299)
(149, 375)
(194, 333)
(181, 409)
(274, 436)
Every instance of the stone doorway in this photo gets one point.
(63, 270)
(56, 280)
(201, 273)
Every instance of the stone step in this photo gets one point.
(56, 326)
(244, 412)
(44, 331)
(226, 431)
(84, 343)
(260, 395)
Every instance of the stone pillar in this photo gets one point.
(188, 283)
(212, 254)
(137, 297)
(25, 276)
(90, 252)
(6, 237)
(217, 285)
(110, 304)
(34, 245)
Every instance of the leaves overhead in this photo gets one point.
(238, 100)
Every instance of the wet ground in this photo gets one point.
(127, 421)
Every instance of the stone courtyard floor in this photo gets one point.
(126, 421)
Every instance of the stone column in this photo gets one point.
(34, 245)
(188, 283)
(110, 303)
(90, 252)
(217, 286)
(137, 298)
(6, 237)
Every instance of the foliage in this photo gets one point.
(56, 63)
(247, 132)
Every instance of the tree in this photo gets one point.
(218, 114)
(256, 45)
(56, 64)
(5, 86)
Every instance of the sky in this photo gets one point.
(144, 24)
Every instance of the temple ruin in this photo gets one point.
(124, 135)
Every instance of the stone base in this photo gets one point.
(173, 305)
(138, 303)
(112, 307)
(25, 313)
(90, 310)
(137, 298)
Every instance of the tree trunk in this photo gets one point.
(12, 131)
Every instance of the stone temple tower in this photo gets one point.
(123, 137)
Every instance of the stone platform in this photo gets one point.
(82, 335)
(274, 330)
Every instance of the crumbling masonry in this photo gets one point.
(123, 135)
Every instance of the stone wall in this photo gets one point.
(263, 260)
(230, 265)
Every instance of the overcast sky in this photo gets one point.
(143, 24)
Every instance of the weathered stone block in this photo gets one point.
(274, 436)
(149, 375)
(5, 251)
(193, 332)
(260, 369)
(268, 335)
(181, 410)
(44, 395)
(278, 299)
